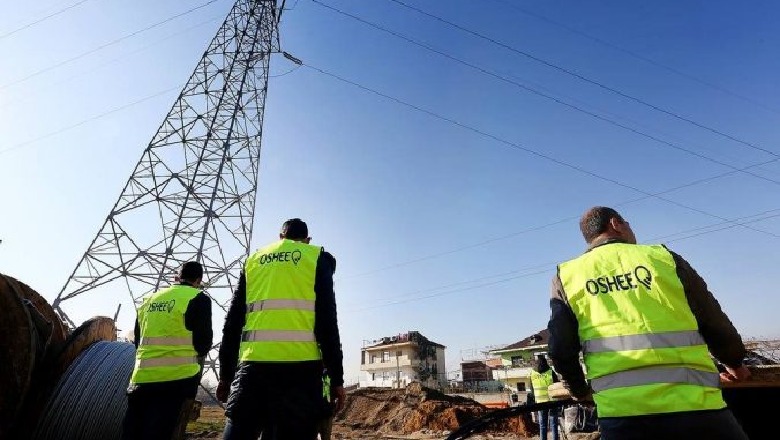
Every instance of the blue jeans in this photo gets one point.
(548, 418)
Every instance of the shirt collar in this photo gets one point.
(606, 240)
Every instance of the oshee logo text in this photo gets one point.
(625, 281)
(281, 257)
(162, 306)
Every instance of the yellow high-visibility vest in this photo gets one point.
(642, 349)
(540, 382)
(280, 304)
(165, 351)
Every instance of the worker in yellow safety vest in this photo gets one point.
(172, 337)
(645, 324)
(280, 330)
(542, 376)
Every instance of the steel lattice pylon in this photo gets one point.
(192, 194)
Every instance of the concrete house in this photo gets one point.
(396, 361)
(515, 370)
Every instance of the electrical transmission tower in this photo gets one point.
(192, 194)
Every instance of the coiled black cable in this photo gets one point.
(89, 402)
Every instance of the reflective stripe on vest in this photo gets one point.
(165, 351)
(165, 340)
(280, 302)
(167, 361)
(650, 376)
(540, 382)
(642, 349)
(642, 342)
(278, 336)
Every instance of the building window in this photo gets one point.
(517, 361)
(373, 359)
(385, 356)
(373, 376)
(521, 386)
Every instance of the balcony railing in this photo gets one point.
(512, 373)
(402, 362)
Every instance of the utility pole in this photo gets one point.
(397, 369)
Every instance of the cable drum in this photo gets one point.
(89, 402)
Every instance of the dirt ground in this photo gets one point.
(415, 413)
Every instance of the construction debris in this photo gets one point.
(417, 409)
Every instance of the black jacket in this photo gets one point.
(722, 339)
(326, 329)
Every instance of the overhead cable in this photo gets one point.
(549, 224)
(636, 55)
(123, 57)
(549, 267)
(581, 77)
(42, 19)
(535, 153)
(547, 96)
(85, 121)
(103, 46)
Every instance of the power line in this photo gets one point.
(285, 73)
(291, 7)
(576, 75)
(691, 233)
(637, 56)
(122, 57)
(103, 46)
(517, 146)
(42, 19)
(547, 96)
(540, 227)
(547, 225)
(88, 120)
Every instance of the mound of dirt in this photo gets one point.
(416, 408)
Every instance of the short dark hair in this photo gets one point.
(540, 363)
(595, 221)
(295, 229)
(191, 271)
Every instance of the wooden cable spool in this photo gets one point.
(17, 351)
(36, 349)
(98, 328)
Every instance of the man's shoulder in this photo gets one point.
(201, 300)
(327, 259)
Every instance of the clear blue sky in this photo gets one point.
(436, 227)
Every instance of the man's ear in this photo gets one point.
(281, 236)
(308, 240)
(616, 224)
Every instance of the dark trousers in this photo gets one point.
(261, 403)
(710, 425)
(153, 414)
